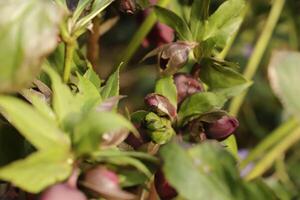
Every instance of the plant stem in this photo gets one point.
(273, 138)
(258, 52)
(267, 161)
(140, 35)
(69, 51)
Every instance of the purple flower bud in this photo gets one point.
(186, 85)
(222, 128)
(105, 182)
(163, 188)
(128, 6)
(161, 105)
(62, 191)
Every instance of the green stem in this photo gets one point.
(69, 51)
(276, 136)
(258, 52)
(266, 162)
(140, 35)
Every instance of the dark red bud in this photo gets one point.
(221, 128)
(186, 85)
(128, 6)
(161, 105)
(163, 188)
(62, 192)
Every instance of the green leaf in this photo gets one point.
(88, 93)
(29, 31)
(199, 15)
(88, 132)
(111, 87)
(189, 171)
(81, 6)
(284, 76)
(223, 79)
(224, 22)
(174, 21)
(36, 128)
(200, 103)
(97, 7)
(39, 170)
(92, 76)
(64, 103)
(166, 87)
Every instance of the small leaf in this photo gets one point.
(174, 21)
(39, 170)
(166, 87)
(200, 103)
(29, 31)
(91, 75)
(284, 72)
(111, 87)
(88, 132)
(36, 128)
(223, 79)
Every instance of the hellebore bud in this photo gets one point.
(173, 56)
(161, 105)
(163, 188)
(186, 85)
(222, 128)
(105, 182)
(159, 129)
(62, 192)
(128, 6)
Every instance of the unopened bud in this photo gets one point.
(128, 6)
(222, 128)
(62, 192)
(163, 188)
(186, 85)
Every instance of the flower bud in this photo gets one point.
(159, 129)
(62, 191)
(128, 6)
(222, 128)
(173, 56)
(163, 188)
(161, 105)
(105, 182)
(186, 85)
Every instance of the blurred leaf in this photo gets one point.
(112, 87)
(29, 31)
(91, 75)
(200, 103)
(174, 21)
(88, 132)
(129, 178)
(37, 129)
(223, 79)
(283, 73)
(166, 87)
(97, 7)
(39, 170)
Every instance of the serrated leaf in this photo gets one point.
(39, 170)
(97, 7)
(112, 87)
(200, 103)
(284, 72)
(174, 21)
(29, 31)
(36, 128)
(223, 80)
(88, 132)
(166, 87)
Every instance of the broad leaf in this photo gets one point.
(200, 103)
(88, 132)
(174, 21)
(166, 87)
(39, 170)
(33, 125)
(223, 79)
(199, 15)
(284, 72)
(29, 31)
(112, 87)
